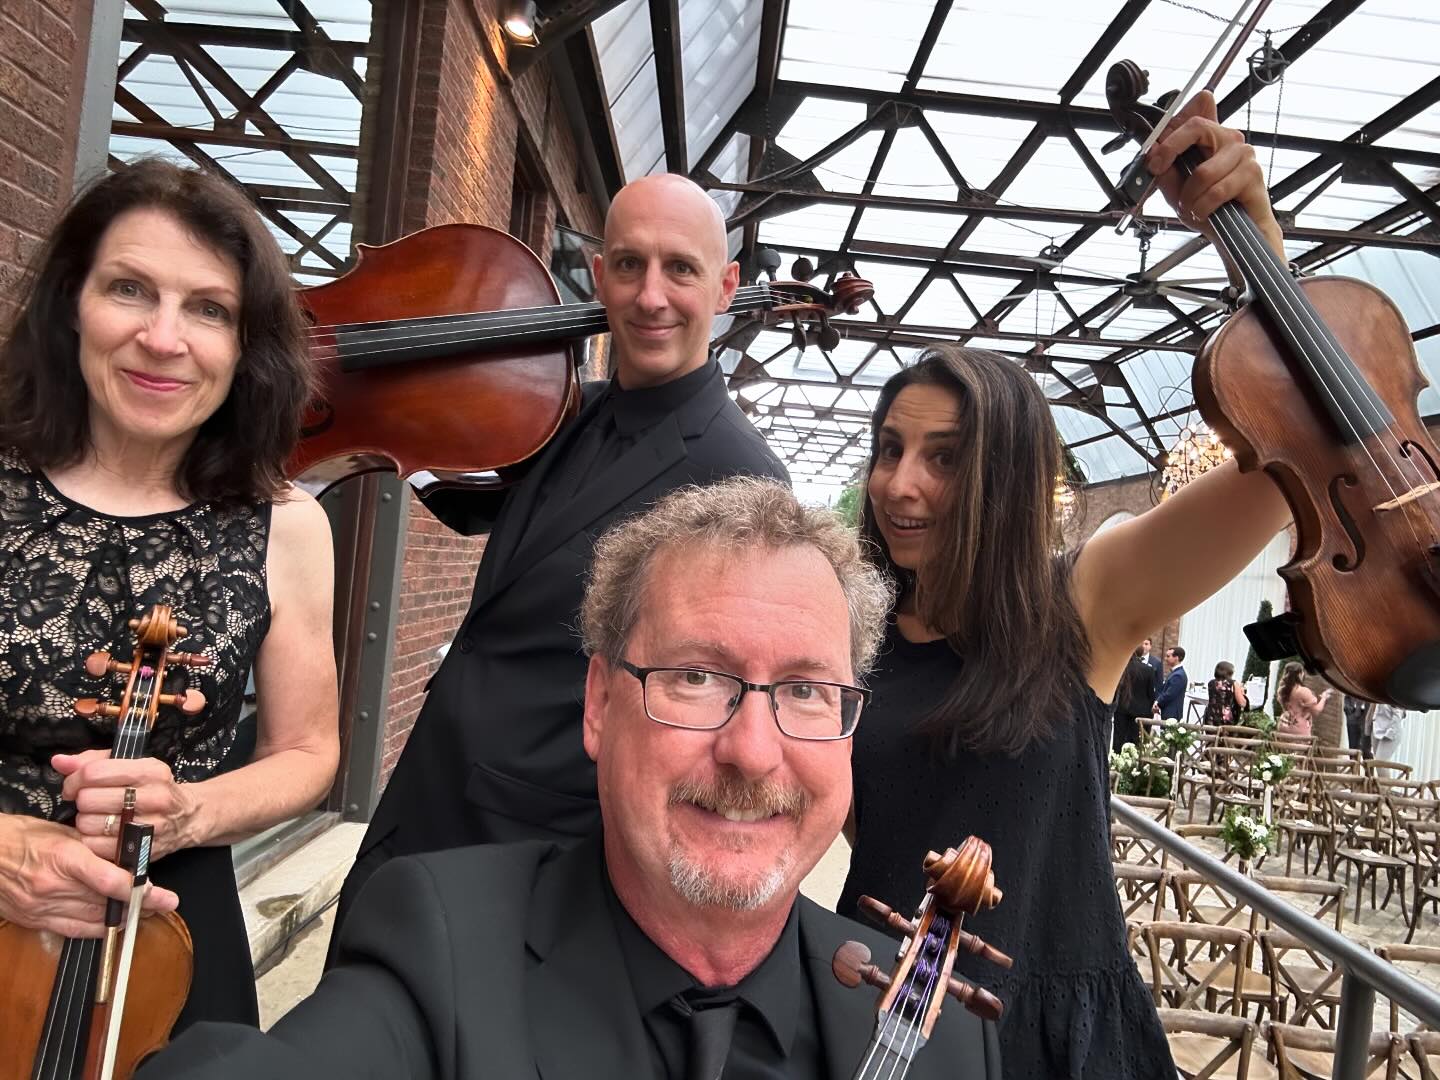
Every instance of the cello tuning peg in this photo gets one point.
(190, 702)
(885, 915)
(980, 1002)
(851, 966)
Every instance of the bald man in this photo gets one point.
(496, 753)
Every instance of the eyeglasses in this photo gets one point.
(704, 700)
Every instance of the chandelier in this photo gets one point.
(1196, 452)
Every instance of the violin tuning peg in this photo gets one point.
(190, 702)
(829, 338)
(980, 1002)
(97, 664)
(89, 707)
(851, 966)
(191, 659)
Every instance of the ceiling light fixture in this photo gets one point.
(519, 21)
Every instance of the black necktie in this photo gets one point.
(712, 1024)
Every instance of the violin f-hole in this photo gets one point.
(1342, 561)
(1411, 449)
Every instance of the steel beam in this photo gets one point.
(670, 81)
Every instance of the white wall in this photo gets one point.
(1213, 631)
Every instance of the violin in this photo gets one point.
(63, 1001)
(913, 991)
(449, 351)
(1316, 382)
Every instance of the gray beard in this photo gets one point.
(700, 887)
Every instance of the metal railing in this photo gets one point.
(1365, 973)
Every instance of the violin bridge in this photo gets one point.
(1408, 497)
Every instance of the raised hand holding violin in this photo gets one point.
(1351, 456)
(1228, 173)
(96, 783)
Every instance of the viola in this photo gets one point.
(960, 883)
(1316, 382)
(64, 1004)
(449, 351)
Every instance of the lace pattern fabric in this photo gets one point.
(70, 581)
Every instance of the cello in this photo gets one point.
(914, 990)
(448, 351)
(1351, 456)
(61, 999)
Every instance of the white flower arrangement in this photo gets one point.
(1136, 777)
(1247, 836)
(1172, 738)
(1271, 768)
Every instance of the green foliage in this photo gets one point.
(1254, 666)
(1263, 723)
(848, 505)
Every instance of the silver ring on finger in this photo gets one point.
(109, 829)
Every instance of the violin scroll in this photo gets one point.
(962, 880)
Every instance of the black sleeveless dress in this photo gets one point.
(70, 579)
(1075, 1007)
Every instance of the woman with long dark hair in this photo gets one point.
(1225, 698)
(991, 697)
(151, 388)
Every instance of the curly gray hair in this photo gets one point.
(743, 512)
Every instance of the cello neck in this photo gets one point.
(377, 344)
(1321, 362)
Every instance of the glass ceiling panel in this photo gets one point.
(1027, 49)
(843, 43)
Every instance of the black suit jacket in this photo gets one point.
(495, 755)
(502, 962)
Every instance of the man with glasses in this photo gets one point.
(726, 629)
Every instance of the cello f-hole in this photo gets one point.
(1342, 561)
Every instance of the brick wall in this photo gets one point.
(470, 117)
(42, 69)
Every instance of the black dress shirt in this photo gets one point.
(619, 421)
(776, 1032)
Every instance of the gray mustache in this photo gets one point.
(731, 792)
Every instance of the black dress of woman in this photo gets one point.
(1075, 1007)
(70, 579)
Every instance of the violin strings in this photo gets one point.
(78, 956)
(747, 294)
(1303, 319)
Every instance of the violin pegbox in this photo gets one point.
(960, 883)
(155, 632)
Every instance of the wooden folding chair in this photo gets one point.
(1426, 955)
(1142, 891)
(1307, 1054)
(1127, 845)
(1207, 1047)
(1366, 840)
(1424, 1049)
(1425, 879)
(1213, 984)
(1303, 982)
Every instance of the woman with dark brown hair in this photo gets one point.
(990, 711)
(1225, 698)
(151, 388)
(1298, 704)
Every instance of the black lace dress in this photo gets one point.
(1075, 1007)
(70, 579)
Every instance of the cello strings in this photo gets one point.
(451, 336)
(747, 294)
